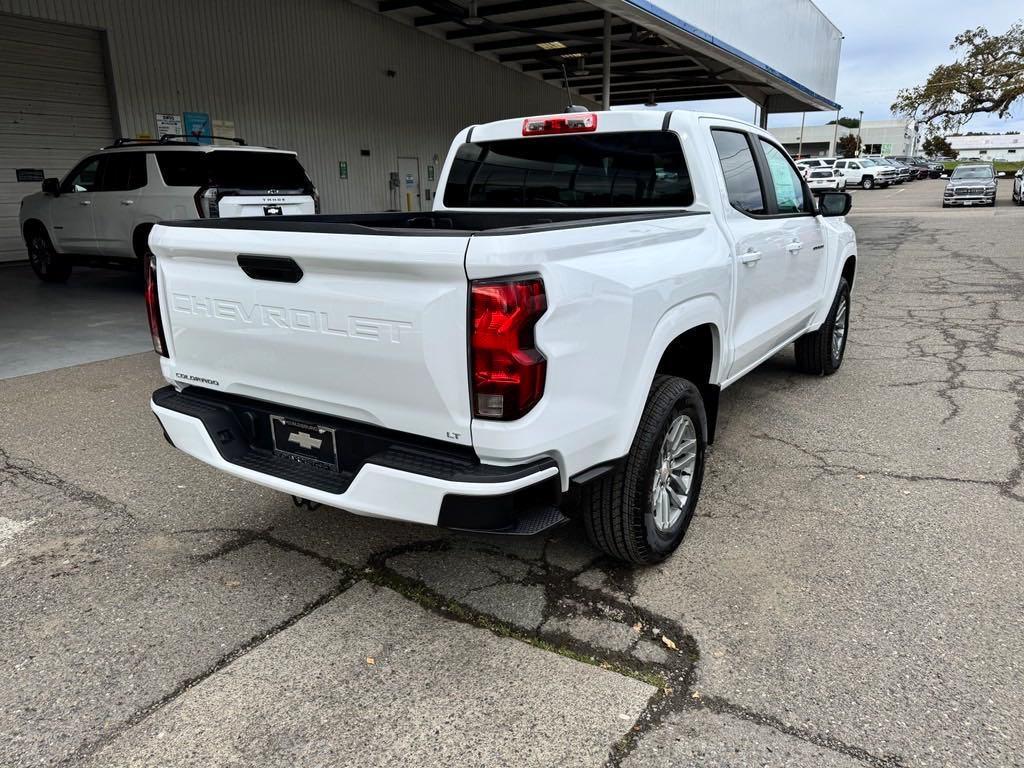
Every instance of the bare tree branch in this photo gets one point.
(987, 78)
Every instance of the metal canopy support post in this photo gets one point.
(763, 118)
(606, 66)
(835, 138)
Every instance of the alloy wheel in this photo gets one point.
(673, 473)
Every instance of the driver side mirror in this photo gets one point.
(51, 187)
(834, 203)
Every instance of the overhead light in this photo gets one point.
(650, 101)
(551, 45)
(473, 19)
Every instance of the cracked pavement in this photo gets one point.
(849, 593)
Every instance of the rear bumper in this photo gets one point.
(398, 481)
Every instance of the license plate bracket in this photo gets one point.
(307, 443)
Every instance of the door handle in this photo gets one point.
(750, 258)
(795, 246)
(85, 202)
(127, 202)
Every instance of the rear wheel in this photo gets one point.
(49, 266)
(639, 512)
(820, 353)
(867, 183)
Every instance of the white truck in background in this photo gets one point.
(551, 338)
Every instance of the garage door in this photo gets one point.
(54, 108)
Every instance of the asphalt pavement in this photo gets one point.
(849, 593)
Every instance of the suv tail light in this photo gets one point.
(574, 123)
(507, 369)
(156, 325)
(208, 202)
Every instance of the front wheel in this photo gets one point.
(867, 183)
(639, 512)
(820, 353)
(49, 266)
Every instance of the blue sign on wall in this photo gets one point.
(197, 124)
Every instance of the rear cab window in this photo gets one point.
(636, 169)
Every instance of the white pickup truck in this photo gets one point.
(551, 338)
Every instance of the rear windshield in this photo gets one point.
(605, 170)
(234, 170)
(821, 174)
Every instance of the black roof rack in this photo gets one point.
(168, 138)
(172, 138)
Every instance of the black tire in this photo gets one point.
(945, 205)
(867, 183)
(49, 266)
(617, 508)
(815, 352)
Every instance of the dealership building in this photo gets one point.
(1005, 146)
(878, 137)
(370, 93)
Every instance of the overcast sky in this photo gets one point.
(891, 44)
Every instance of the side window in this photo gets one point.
(839, 164)
(789, 190)
(124, 171)
(84, 177)
(855, 166)
(183, 169)
(741, 179)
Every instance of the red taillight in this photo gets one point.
(156, 325)
(574, 123)
(507, 368)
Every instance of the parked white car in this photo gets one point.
(1018, 187)
(101, 213)
(819, 179)
(814, 162)
(555, 332)
(865, 172)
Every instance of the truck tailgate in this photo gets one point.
(374, 330)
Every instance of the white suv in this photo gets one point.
(866, 172)
(102, 211)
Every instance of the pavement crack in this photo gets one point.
(88, 749)
(11, 469)
(721, 706)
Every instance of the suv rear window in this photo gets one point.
(234, 170)
(605, 170)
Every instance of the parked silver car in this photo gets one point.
(971, 185)
(1018, 187)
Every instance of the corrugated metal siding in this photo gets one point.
(308, 75)
(54, 108)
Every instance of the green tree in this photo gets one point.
(849, 145)
(936, 146)
(987, 78)
(846, 122)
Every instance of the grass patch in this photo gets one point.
(1009, 168)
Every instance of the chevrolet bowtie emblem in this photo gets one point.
(305, 440)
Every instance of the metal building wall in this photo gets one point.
(308, 75)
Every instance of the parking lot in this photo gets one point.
(849, 593)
